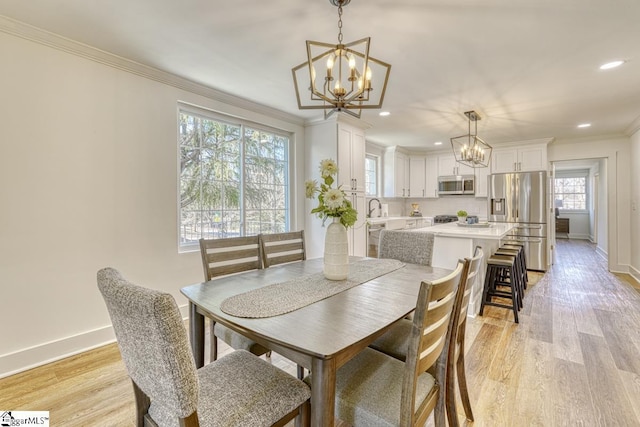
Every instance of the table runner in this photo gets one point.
(281, 298)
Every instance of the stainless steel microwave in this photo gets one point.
(456, 184)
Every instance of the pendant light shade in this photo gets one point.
(469, 149)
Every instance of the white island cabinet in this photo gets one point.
(453, 242)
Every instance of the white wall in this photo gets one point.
(635, 205)
(88, 179)
(618, 173)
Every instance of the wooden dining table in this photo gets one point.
(321, 336)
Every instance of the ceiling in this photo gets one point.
(530, 68)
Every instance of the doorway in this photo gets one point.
(580, 200)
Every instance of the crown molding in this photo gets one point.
(633, 127)
(46, 38)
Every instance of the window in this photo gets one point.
(233, 178)
(571, 192)
(371, 175)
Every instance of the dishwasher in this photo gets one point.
(373, 236)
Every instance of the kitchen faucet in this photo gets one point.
(371, 210)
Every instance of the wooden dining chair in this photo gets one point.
(411, 247)
(221, 257)
(280, 248)
(375, 389)
(239, 389)
(396, 342)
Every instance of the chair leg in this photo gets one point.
(300, 372)
(462, 384)
(214, 342)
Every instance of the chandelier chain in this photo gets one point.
(340, 24)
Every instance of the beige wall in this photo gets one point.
(88, 179)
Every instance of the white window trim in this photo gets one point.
(576, 173)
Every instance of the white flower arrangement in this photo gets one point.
(332, 202)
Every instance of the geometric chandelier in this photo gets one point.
(345, 79)
(469, 149)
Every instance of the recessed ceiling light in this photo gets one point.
(610, 65)
(584, 125)
(437, 143)
(384, 113)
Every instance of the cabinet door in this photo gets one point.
(481, 181)
(505, 160)
(446, 165)
(416, 176)
(532, 159)
(431, 176)
(401, 175)
(351, 155)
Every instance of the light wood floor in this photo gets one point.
(574, 359)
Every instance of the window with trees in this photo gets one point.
(571, 191)
(234, 178)
(371, 175)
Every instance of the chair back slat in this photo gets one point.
(231, 255)
(280, 248)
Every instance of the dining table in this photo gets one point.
(321, 335)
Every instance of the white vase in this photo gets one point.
(336, 251)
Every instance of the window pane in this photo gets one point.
(233, 179)
(571, 192)
(371, 176)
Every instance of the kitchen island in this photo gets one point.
(453, 242)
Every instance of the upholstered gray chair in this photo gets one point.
(413, 247)
(374, 389)
(396, 342)
(280, 248)
(221, 257)
(240, 389)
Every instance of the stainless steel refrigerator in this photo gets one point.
(521, 198)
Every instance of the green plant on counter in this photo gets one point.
(462, 213)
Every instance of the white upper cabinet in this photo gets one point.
(482, 181)
(396, 173)
(416, 176)
(447, 165)
(523, 158)
(431, 176)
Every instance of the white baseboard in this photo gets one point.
(635, 273)
(41, 354)
(602, 253)
(579, 236)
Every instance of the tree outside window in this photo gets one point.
(233, 179)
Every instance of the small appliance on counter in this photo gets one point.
(415, 210)
(442, 219)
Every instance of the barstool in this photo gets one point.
(520, 274)
(501, 268)
(524, 256)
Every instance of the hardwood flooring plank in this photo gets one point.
(534, 403)
(612, 407)
(572, 404)
(586, 321)
(494, 407)
(541, 319)
(566, 345)
(618, 335)
(631, 383)
(507, 363)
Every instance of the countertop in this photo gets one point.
(452, 229)
(383, 219)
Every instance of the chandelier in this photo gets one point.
(346, 78)
(469, 149)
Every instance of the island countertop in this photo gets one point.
(452, 229)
